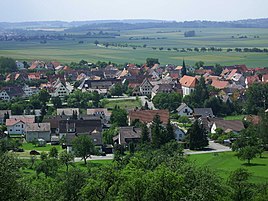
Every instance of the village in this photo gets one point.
(64, 111)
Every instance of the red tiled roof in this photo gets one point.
(188, 81)
(252, 79)
(219, 84)
(147, 116)
(12, 121)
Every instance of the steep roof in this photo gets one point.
(147, 116)
(204, 112)
(42, 127)
(20, 118)
(188, 81)
(67, 111)
(127, 134)
(181, 107)
(234, 125)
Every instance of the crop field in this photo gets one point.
(226, 162)
(145, 43)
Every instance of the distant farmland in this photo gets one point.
(147, 43)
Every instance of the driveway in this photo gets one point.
(212, 148)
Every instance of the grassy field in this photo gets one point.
(127, 104)
(30, 146)
(226, 162)
(67, 51)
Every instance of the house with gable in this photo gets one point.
(127, 135)
(73, 128)
(184, 110)
(227, 125)
(188, 84)
(35, 131)
(146, 87)
(60, 89)
(16, 124)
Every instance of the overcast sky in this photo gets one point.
(179, 10)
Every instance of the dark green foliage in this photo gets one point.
(263, 128)
(83, 147)
(66, 159)
(183, 70)
(107, 135)
(241, 188)
(158, 132)
(198, 96)
(145, 138)
(7, 65)
(11, 188)
(119, 116)
(170, 134)
(150, 62)
(170, 101)
(256, 98)
(56, 101)
(53, 153)
(79, 99)
(197, 136)
(248, 144)
(218, 69)
(117, 90)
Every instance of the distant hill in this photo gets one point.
(135, 24)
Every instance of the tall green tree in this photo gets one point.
(170, 134)
(83, 147)
(256, 98)
(117, 90)
(119, 116)
(183, 70)
(197, 136)
(170, 101)
(150, 62)
(145, 135)
(241, 188)
(158, 132)
(7, 65)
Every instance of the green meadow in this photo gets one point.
(70, 50)
(226, 162)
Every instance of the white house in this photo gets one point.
(60, 90)
(29, 91)
(146, 87)
(4, 95)
(16, 124)
(179, 133)
(188, 84)
(184, 110)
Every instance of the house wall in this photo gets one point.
(16, 128)
(61, 92)
(146, 89)
(31, 135)
(213, 128)
(186, 111)
(179, 134)
(186, 90)
(4, 96)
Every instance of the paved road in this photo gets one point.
(107, 157)
(212, 148)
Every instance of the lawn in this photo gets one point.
(30, 146)
(127, 104)
(226, 162)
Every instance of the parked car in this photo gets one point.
(34, 152)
